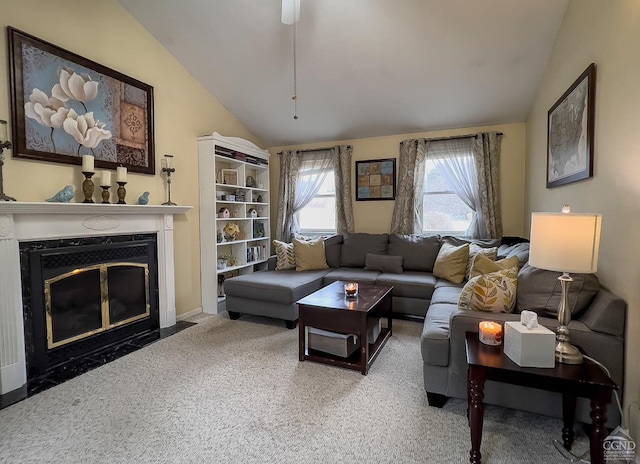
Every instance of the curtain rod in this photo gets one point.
(453, 137)
(312, 149)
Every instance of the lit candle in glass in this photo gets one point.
(490, 333)
(351, 289)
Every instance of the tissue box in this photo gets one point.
(529, 347)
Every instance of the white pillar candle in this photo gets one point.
(105, 179)
(87, 163)
(121, 175)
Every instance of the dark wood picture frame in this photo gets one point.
(376, 179)
(570, 129)
(58, 99)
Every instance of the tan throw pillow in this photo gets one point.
(474, 250)
(310, 254)
(483, 265)
(451, 262)
(494, 292)
(285, 254)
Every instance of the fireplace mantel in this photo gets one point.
(22, 221)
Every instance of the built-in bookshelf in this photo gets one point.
(234, 190)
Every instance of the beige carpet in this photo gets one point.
(234, 392)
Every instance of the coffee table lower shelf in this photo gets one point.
(355, 360)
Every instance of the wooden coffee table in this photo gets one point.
(328, 309)
(586, 380)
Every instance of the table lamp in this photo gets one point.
(565, 242)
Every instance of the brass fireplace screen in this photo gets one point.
(94, 299)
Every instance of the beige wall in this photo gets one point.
(104, 32)
(607, 33)
(375, 216)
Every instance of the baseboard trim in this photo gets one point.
(187, 315)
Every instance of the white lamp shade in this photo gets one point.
(565, 242)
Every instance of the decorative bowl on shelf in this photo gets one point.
(221, 263)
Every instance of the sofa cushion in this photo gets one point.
(285, 254)
(284, 287)
(419, 251)
(539, 290)
(434, 343)
(483, 265)
(350, 274)
(309, 254)
(410, 284)
(482, 242)
(449, 295)
(384, 263)
(451, 263)
(493, 292)
(332, 249)
(356, 246)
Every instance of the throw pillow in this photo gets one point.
(309, 254)
(494, 292)
(384, 263)
(474, 250)
(451, 262)
(285, 255)
(483, 265)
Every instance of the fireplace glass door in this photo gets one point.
(93, 299)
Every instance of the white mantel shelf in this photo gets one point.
(25, 207)
(25, 221)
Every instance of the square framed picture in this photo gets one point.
(230, 176)
(376, 179)
(570, 128)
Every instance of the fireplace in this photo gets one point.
(83, 296)
(87, 224)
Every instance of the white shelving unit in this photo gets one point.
(233, 174)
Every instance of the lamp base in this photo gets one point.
(566, 353)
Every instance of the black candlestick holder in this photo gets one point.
(122, 192)
(88, 187)
(3, 146)
(169, 171)
(105, 194)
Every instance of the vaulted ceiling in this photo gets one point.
(364, 67)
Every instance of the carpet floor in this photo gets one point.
(228, 391)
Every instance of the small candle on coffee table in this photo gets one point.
(351, 289)
(490, 333)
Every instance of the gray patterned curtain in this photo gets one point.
(289, 172)
(486, 153)
(344, 207)
(407, 211)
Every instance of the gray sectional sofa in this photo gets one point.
(598, 324)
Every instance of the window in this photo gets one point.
(443, 212)
(318, 217)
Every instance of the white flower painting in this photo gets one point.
(66, 106)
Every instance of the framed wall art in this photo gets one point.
(65, 106)
(376, 179)
(230, 176)
(570, 128)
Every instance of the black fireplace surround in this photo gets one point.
(59, 353)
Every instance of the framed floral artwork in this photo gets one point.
(376, 179)
(570, 128)
(65, 106)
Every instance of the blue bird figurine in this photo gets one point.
(63, 196)
(143, 199)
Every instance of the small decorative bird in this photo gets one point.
(143, 199)
(63, 196)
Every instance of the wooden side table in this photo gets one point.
(586, 380)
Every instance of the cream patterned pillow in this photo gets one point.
(285, 254)
(494, 292)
